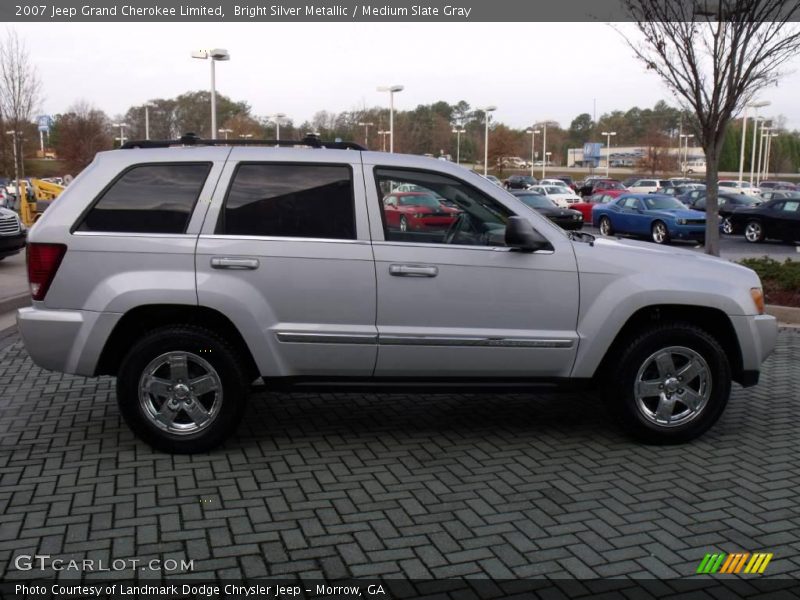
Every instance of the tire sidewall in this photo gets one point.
(203, 344)
(622, 389)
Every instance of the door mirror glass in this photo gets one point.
(521, 235)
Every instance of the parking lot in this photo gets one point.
(398, 485)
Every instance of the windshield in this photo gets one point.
(536, 200)
(554, 189)
(420, 200)
(662, 203)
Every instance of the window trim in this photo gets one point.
(440, 174)
(85, 213)
(219, 226)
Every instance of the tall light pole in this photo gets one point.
(755, 105)
(458, 131)
(544, 150)
(760, 150)
(769, 153)
(608, 135)
(147, 107)
(391, 89)
(383, 135)
(14, 135)
(486, 110)
(214, 55)
(122, 127)
(684, 149)
(277, 118)
(533, 133)
(756, 121)
(225, 131)
(366, 127)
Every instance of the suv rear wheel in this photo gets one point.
(181, 389)
(670, 384)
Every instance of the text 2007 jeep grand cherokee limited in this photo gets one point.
(188, 270)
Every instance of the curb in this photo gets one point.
(784, 314)
(14, 302)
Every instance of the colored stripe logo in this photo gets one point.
(740, 562)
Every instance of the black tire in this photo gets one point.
(659, 232)
(639, 416)
(754, 231)
(605, 223)
(202, 348)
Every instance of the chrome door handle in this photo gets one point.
(413, 271)
(226, 262)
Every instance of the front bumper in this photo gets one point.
(11, 244)
(67, 341)
(757, 336)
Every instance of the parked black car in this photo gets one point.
(566, 218)
(776, 219)
(519, 182)
(728, 203)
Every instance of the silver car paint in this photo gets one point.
(321, 306)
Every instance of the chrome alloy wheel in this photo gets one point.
(727, 226)
(673, 386)
(605, 226)
(660, 233)
(180, 393)
(753, 232)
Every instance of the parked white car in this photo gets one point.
(557, 182)
(647, 186)
(561, 195)
(732, 185)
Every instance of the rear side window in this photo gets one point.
(290, 200)
(156, 198)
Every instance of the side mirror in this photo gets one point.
(520, 234)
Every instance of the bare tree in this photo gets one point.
(79, 134)
(715, 55)
(20, 90)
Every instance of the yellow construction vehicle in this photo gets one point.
(33, 204)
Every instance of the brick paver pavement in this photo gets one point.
(399, 485)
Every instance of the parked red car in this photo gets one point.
(417, 211)
(603, 197)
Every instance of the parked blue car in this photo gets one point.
(658, 217)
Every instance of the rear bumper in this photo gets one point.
(68, 341)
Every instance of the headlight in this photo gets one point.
(419, 215)
(577, 217)
(681, 221)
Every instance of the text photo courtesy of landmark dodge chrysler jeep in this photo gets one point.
(188, 270)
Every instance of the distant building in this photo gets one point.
(622, 156)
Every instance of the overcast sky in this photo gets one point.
(530, 71)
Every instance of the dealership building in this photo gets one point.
(597, 155)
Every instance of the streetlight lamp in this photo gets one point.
(383, 135)
(755, 105)
(215, 55)
(608, 135)
(366, 127)
(225, 131)
(533, 133)
(486, 110)
(277, 118)
(458, 131)
(122, 127)
(147, 107)
(391, 89)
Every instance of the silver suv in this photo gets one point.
(190, 270)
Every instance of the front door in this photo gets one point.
(453, 300)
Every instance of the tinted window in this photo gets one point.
(149, 199)
(309, 201)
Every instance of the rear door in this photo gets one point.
(285, 254)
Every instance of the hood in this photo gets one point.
(678, 213)
(5, 213)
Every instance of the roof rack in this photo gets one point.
(191, 139)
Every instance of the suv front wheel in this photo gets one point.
(671, 383)
(181, 389)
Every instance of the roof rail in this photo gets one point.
(191, 139)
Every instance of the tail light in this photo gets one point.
(43, 262)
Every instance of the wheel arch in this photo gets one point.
(142, 319)
(712, 320)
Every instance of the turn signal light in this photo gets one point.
(758, 299)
